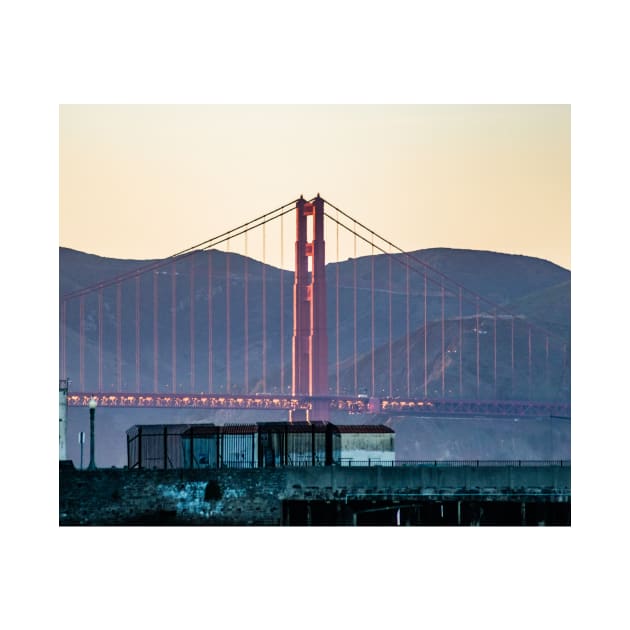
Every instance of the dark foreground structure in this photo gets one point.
(437, 493)
(260, 445)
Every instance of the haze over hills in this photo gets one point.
(533, 290)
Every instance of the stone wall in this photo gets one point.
(127, 497)
(255, 496)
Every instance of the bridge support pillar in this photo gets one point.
(63, 419)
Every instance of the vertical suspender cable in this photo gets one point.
(137, 333)
(372, 319)
(354, 284)
(192, 324)
(443, 347)
(63, 340)
(407, 337)
(228, 375)
(426, 375)
(173, 328)
(82, 343)
(210, 358)
(389, 290)
(264, 311)
(566, 363)
(477, 331)
(512, 355)
(100, 340)
(461, 346)
(155, 331)
(246, 318)
(546, 358)
(529, 359)
(119, 336)
(337, 304)
(495, 354)
(282, 304)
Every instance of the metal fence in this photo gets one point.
(232, 446)
(155, 446)
(456, 463)
(267, 445)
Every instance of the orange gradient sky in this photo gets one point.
(146, 181)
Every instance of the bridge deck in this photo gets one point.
(280, 402)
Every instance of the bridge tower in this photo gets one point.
(310, 336)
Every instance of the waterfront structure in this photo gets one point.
(261, 445)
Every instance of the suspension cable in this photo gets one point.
(427, 266)
(203, 246)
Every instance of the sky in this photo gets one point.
(147, 181)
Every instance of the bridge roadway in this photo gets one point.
(351, 404)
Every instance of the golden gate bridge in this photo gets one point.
(383, 332)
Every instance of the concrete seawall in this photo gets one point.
(267, 496)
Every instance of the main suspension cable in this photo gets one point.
(489, 303)
(203, 246)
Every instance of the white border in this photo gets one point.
(453, 52)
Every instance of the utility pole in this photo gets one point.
(63, 418)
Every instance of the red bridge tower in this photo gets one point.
(310, 336)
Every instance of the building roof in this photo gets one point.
(317, 426)
(364, 428)
(238, 428)
(157, 429)
(201, 430)
(207, 430)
